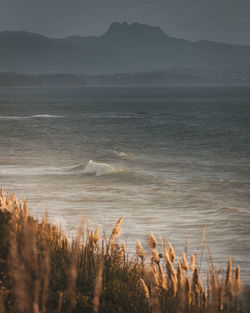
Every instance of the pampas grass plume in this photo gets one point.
(192, 263)
(171, 252)
(152, 241)
(237, 282)
(2, 193)
(156, 257)
(117, 230)
(173, 286)
(188, 291)
(184, 263)
(162, 278)
(179, 275)
(96, 235)
(144, 288)
(154, 275)
(170, 268)
(139, 249)
(123, 247)
(229, 272)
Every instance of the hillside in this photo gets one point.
(123, 48)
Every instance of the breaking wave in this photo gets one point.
(45, 116)
(29, 117)
(99, 169)
(122, 154)
(117, 174)
(104, 171)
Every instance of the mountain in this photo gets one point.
(123, 48)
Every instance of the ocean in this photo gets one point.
(170, 160)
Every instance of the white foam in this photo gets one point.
(45, 116)
(13, 117)
(18, 170)
(121, 154)
(28, 117)
(99, 169)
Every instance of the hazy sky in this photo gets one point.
(220, 20)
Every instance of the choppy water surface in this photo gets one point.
(168, 160)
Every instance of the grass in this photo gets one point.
(41, 271)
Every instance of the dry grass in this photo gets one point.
(42, 272)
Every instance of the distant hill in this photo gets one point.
(124, 48)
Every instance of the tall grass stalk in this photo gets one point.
(42, 271)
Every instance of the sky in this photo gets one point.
(218, 20)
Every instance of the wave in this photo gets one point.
(13, 117)
(29, 117)
(105, 172)
(117, 174)
(24, 170)
(122, 154)
(46, 116)
(99, 169)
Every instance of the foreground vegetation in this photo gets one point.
(41, 271)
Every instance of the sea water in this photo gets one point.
(170, 160)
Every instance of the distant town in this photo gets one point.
(184, 77)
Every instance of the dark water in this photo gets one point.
(168, 160)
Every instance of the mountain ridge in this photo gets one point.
(112, 26)
(122, 48)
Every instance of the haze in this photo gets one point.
(224, 21)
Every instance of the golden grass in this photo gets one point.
(41, 271)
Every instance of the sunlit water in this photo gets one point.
(168, 160)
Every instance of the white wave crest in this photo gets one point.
(19, 170)
(28, 117)
(121, 154)
(13, 117)
(45, 116)
(99, 169)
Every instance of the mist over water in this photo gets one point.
(168, 160)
